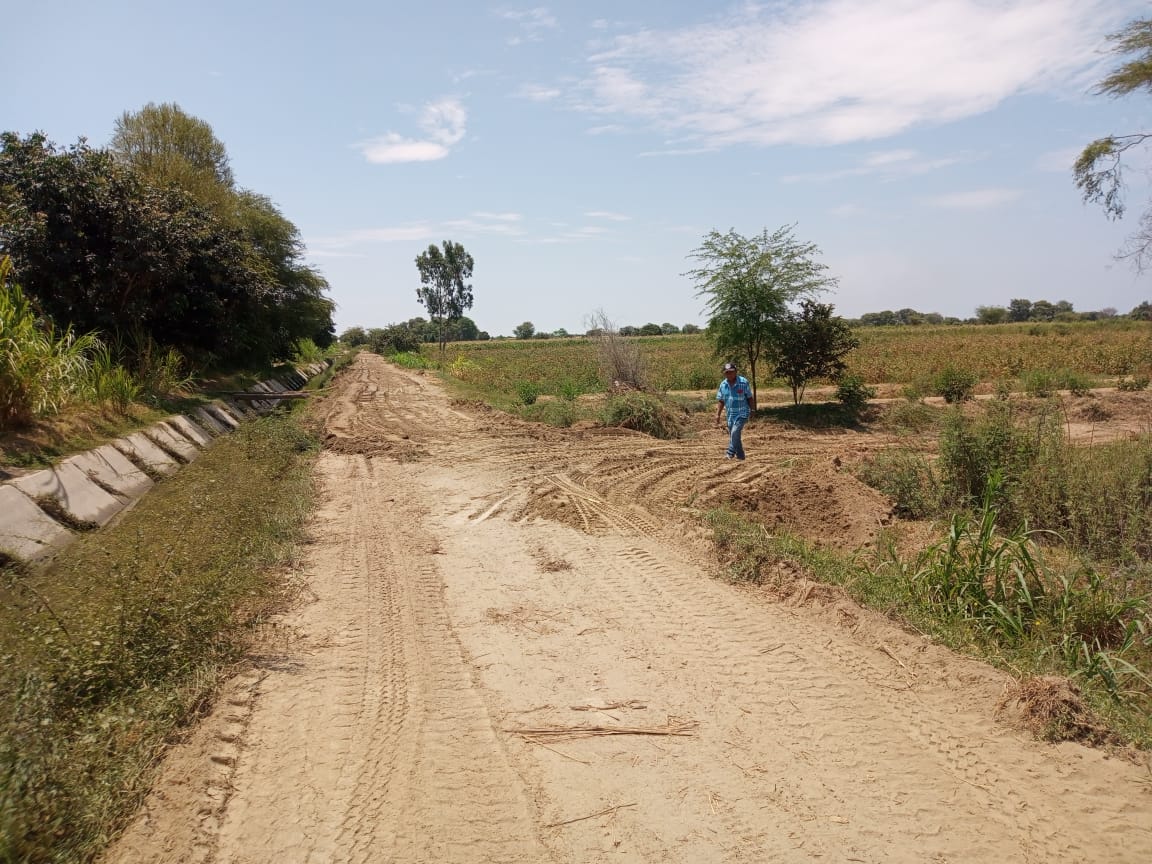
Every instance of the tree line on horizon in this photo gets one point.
(150, 243)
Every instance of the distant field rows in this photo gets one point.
(895, 355)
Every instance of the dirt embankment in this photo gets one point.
(510, 649)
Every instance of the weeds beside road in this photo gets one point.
(109, 650)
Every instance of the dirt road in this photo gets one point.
(477, 587)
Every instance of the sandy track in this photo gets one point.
(471, 576)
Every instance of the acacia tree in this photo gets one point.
(749, 283)
(443, 290)
(812, 344)
(1098, 170)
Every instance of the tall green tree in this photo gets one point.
(812, 343)
(1098, 171)
(170, 147)
(443, 289)
(748, 284)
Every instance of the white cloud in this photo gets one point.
(976, 199)
(532, 22)
(443, 124)
(538, 92)
(833, 71)
(887, 164)
(475, 224)
(609, 215)
(1058, 161)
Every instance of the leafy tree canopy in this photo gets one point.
(749, 282)
(525, 330)
(169, 147)
(812, 343)
(443, 290)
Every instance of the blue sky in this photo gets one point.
(580, 151)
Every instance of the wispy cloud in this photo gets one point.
(834, 71)
(608, 215)
(443, 125)
(474, 225)
(532, 23)
(887, 164)
(976, 199)
(538, 92)
(1058, 161)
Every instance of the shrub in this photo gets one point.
(553, 412)
(954, 384)
(907, 478)
(997, 442)
(527, 392)
(853, 393)
(307, 352)
(1133, 384)
(643, 412)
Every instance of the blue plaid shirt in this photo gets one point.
(735, 397)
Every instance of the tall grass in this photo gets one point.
(40, 371)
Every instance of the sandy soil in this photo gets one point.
(476, 587)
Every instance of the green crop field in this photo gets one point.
(1102, 350)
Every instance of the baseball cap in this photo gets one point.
(729, 367)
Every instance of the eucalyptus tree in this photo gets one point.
(748, 283)
(1098, 170)
(443, 289)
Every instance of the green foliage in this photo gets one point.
(443, 290)
(999, 443)
(553, 412)
(954, 384)
(748, 283)
(1133, 384)
(307, 352)
(100, 248)
(110, 651)
(410, 360)
(643, 412)
(811, 344)
(525, 330)
(853, 393)
(354, 336)
(111, 384)
(393, 339)
(908, 478)
(40, 371)
(528, 392)
(1046, 382)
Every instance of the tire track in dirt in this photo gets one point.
(488, 576)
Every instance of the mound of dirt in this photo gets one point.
(1051, 708)
(818, 502)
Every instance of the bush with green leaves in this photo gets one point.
(527, 392)
(853, 393)
(1043, 383)
(1133, 384)
(908, 478)
(643, 412)
(954, 384)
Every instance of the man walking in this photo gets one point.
(734, 398)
